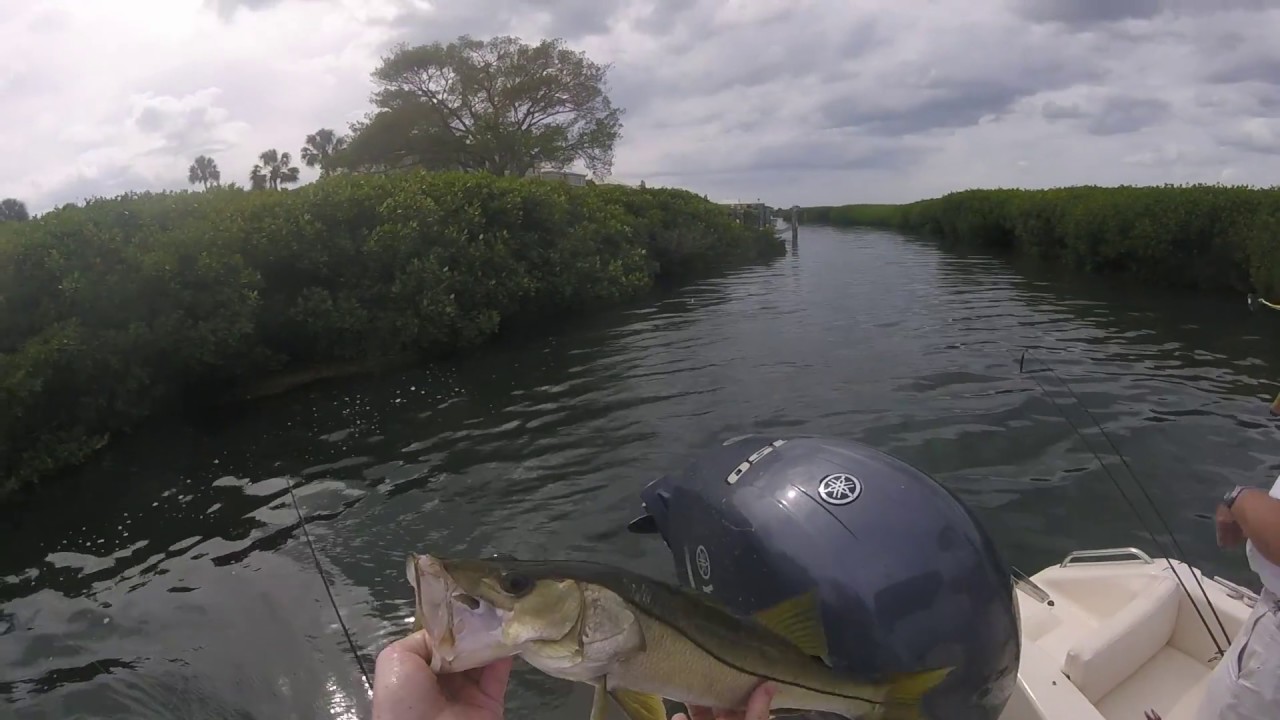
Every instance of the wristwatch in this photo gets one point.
(1230, 498)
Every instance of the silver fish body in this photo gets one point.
(637, 637)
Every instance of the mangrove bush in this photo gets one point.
(123, 307)
(1212, 237)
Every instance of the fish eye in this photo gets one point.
(516, 584)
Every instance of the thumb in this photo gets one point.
(759, 702)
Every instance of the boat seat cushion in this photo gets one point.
(1123, 643)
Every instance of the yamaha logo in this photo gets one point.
(839, 489)
(703, 560)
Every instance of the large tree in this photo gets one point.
(13, 210)
(320, 149)
(403, 137)
(204, 171)
(499, 106)
(274, 168)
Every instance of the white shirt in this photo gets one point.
(1267, 571)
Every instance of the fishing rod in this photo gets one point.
(1182, 557)
(316, 557)
(1254, 303)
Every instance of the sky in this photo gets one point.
(786, 101)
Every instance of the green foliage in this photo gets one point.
(858, 214)
(1212, 237)
(13, 210)
(814, 215)
(410, 135)
(204, 172)
(123, 307)
(273, 169)
(499, 106)
(320, 149)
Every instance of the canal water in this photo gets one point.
(169, 578)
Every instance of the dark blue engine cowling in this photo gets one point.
(908, 579)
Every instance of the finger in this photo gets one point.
(403, 684)
(408, 648)
(759, 702)
(494, 678)
(416, 643)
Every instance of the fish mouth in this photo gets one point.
(464, 631)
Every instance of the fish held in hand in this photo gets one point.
(638, 640)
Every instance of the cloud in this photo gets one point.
(792, 101)
(226, 9)
(1087, 12)
(1255, 135)
(156, 136)
(1109, 113)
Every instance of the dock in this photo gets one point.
(756, 214)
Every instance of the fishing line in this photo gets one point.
(1254, 303)
(1173, 538)
(316, 557)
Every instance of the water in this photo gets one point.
(170, 579)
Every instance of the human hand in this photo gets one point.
(1229, 532)
(405, 688)
(757, 707)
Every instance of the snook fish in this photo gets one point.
(638, 640)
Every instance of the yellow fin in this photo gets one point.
(417, 624)
(640, 706)
(599, 703)
(799, 620)
(902, 700)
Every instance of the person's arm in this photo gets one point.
(1258, 515)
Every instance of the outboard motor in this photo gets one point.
(907, 578)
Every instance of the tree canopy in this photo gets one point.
(13, 210)
(273, 169)
(500, 106)
(204, 171)
(320, 150)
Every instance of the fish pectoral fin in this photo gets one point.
(600, 701)
(902, 700)
(640, 706)
(415, 578)
(798, 620)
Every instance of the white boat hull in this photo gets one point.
(1109, 634)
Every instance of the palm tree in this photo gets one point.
(320, 147)
(204, 171)
(14, 210)
(274, 169)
